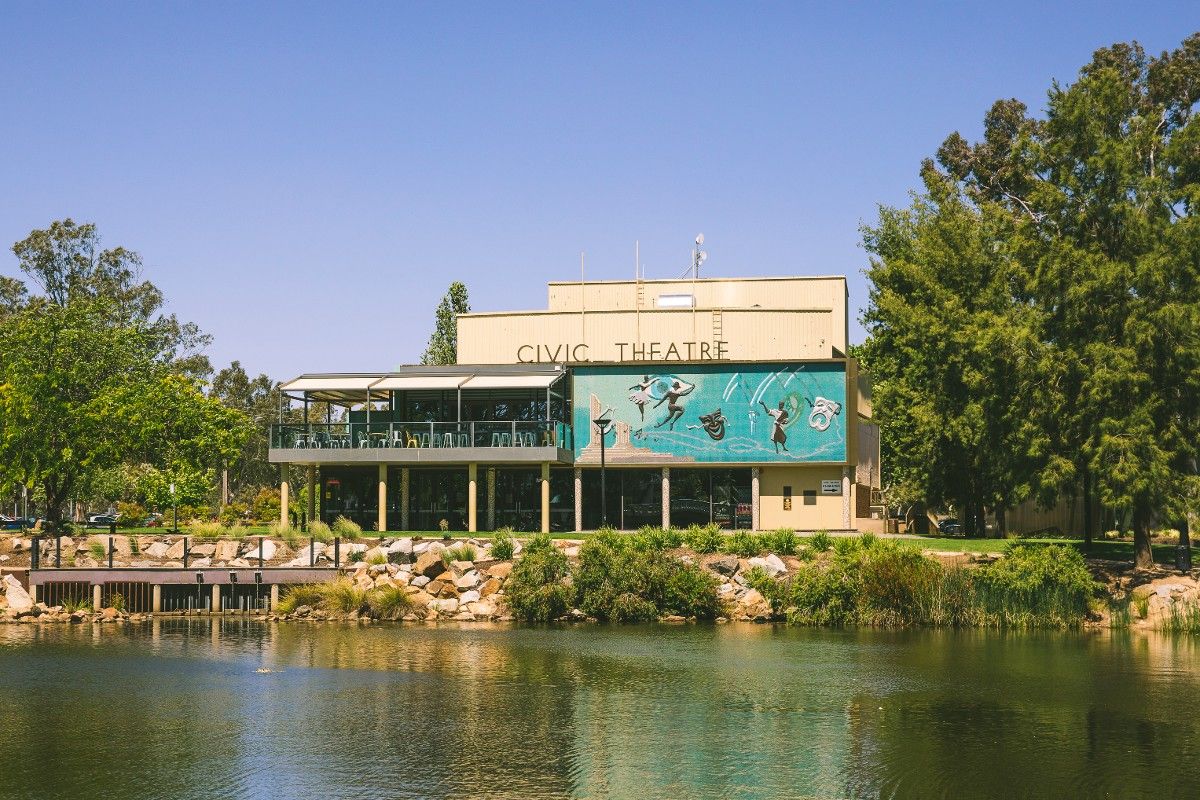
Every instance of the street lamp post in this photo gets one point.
(602, 422)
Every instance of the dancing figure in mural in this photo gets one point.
(713, 424)
(780, 416)
(641, 394)
(822, 414)
(671, 398)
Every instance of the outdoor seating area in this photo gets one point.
(422, 435)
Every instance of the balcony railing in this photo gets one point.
(422, 434)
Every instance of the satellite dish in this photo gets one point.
(700, 239)
(703, 256)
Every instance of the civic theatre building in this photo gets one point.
(632, 402)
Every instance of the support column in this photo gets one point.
(96, 597)
(274, 595)
(404, 490)
(491, 498)
(578, 499)
(846, 498)
(381, 525)
(545, 498)
(216, 597)
(472, 505)
(666, 497)
(284, 477)
(156, 598)
(312, 492)
(755, 510)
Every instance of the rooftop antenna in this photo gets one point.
(698, 257)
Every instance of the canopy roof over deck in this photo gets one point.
(348, 389)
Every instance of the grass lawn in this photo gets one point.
(1112, 551)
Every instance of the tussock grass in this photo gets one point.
(320, 532)
(389, 602)
(1183, 618)
(209, 530)
(463, 552)
(346, 529)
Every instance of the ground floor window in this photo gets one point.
(720, 496)
(433, 495)
(350, 492)
(632, 498)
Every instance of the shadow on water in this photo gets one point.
(178, 708)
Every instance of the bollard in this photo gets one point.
(337, 551)
(57, 552)
(311, 551)
(260, 552)
(35, 552)
(110, 552)
(112, 528)
(187, 551)
(1183, 558)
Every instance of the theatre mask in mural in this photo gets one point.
(724, 413)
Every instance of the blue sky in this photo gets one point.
(304, 180)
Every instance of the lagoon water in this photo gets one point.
(177, 708)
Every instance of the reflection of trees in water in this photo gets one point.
(988, 714)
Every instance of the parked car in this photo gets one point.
(11, 523)
(101, 520)
(950, 527)
(153, 521)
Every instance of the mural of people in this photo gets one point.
(780, 416)
(641, 394)
(671, 398)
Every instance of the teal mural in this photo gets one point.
(719, 413)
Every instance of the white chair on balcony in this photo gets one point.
(363, 440)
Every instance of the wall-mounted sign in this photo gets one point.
(831, 487)
(787, 498)
(567, 353)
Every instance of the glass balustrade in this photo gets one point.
(421, 435)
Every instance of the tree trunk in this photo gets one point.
(1001, 523)
(1143, 556)
(1088, 520)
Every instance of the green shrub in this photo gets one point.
(342, 597)
(628, 608)
(234, 514)
(536, 589)
(301, 594)
(207, 530)
(134, 548)
(1036, 585)
(704, 538)
(781, 542)
(539, 543)
(117, 601)
(503, 545)
(743, 544)
(691, 591)
(649, 537)
(319, 531)
(356, 556)
(463, 552)
(346, 529)
(389, 602)
(821, 541)
(130, 515)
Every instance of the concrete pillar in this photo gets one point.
(755, 510)
(381, 525)
(96, 596)
(491, 498)
(311, 479)
(404, 491)
(216, 597)
(274, 595)
(156, 598)
(545, 498)
(666, 497)
(846, 498)
(284, 477)
(472, 505)
(578, 499)
(33, 592)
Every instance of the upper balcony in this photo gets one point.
(435, 415)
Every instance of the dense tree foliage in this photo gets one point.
(93, 374)
(443, 342)
(1035, 314)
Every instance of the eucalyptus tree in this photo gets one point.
(94, 375)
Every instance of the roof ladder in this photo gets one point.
(718, 328)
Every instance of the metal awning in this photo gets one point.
(418, 382)
(347, 389)
(538, 381)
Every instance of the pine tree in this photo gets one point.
(443, 342)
